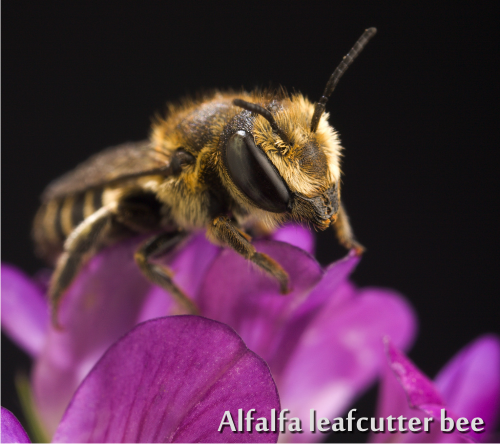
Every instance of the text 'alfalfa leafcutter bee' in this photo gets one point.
(228, 163)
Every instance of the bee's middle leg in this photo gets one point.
(225, 231)
(160, 275)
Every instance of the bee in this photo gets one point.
(228, 163)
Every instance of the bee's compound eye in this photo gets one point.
(254, 174)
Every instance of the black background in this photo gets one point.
(418, 114)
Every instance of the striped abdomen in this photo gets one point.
(57, 218)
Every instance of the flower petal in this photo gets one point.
(341, 352)
(105, 301)
(406, 391)
(419, 389)
(297, 235)
(99, 307)
(237, 293)
(25, 316)
(189, 265)
(328, 289)
(171, 380)
(392, 401)
(12, 430)
(470, 383)
(335, 275)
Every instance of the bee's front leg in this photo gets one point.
(223, 230)
(160, 275)
(344, 232)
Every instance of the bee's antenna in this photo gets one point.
(319, 109)
(254, 108)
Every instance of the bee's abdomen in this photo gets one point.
(57, 218)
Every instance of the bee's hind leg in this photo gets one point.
(83, 241)
(160, 275)
(226, 232)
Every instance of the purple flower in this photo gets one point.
(103, 304)
(322, 341)
(168, 380)
(467, 387)
(12, 430)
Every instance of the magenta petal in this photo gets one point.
(12, 430)
(106, 300)
(341, 352)
(189, 265)
(470, 383)
(296, 235)
(327, 290)
(406, 391)
(171, 380)
(24, 310)
(237, 293)
(335, 275)
(392, 401)
(100, 306)
(419, 389)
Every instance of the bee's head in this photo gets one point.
(283, 156)
(279, 165)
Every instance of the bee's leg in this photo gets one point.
(226, 232)
(161, 275)
(77, 248)
(344, 232)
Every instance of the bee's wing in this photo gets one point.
(112, 164)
